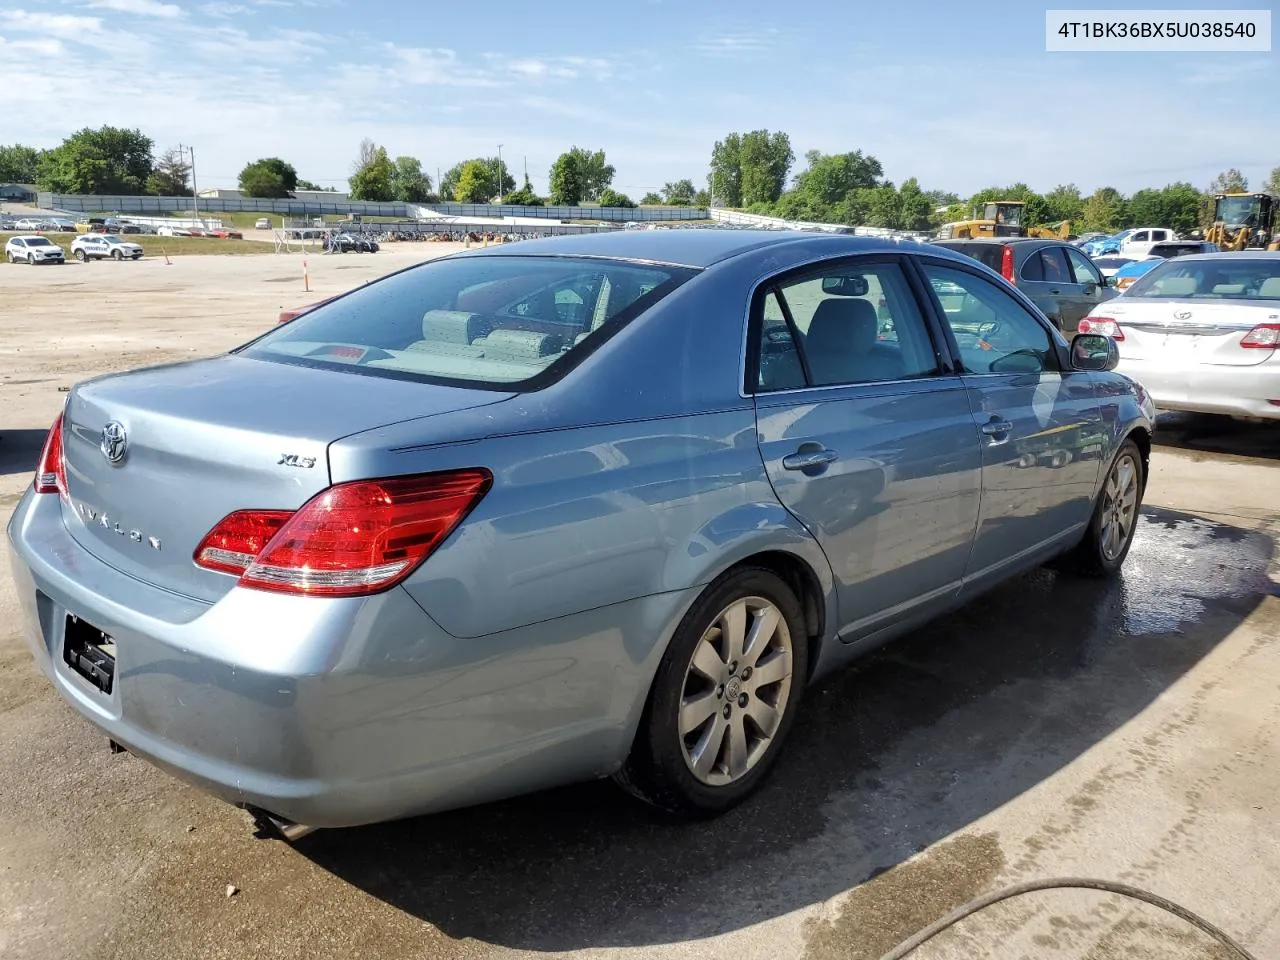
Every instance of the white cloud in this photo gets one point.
(43, 47)
(433, 66)
(53, 24)
(224, 9)
(742, 43)
(142, 8)
(551, 68)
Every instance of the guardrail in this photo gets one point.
(84, 203)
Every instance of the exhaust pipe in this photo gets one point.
(267, 826)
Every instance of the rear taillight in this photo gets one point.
(1102, 326)
(351, 539)
(1006, 264)
(51, 471)
(1265, 336)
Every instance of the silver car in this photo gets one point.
(1202, 333)
(564, 509)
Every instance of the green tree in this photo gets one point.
(568, 180)
(678, 194)
(171, 175)
(1064, 203)
(650, 199)
(109, 160)
(308, 185)
(764, 160)
(268, 177)
(609, 198)
(914, 206)
(19, 164)
(372, 173)
(408, 182)
(475, 183)
(1229, 181)
(941, 198)
(725, 178)
(449, 182)
(830, 178)
(1105, 210)
(1178, 205)
(524, 197)
(579, 175)
(1272, 186)
(883, 206)
(702, 198)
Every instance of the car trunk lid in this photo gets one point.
(1195, 331)
(155, 458)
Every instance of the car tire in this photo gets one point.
(137, 256)
(697, 728)
(1102, 551)
(31, 259)
(82, 256)
(9, 256)
(117, 255)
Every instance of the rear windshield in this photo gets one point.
(1216, 279)
(498, 321)
(988, 253)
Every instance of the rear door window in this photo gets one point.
(479, 321)
(1055, 266)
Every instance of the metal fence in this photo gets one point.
(419, 229)
(80, 203)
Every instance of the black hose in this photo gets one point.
(1064, 883)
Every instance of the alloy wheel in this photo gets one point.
(735, 691)
(1119, 507)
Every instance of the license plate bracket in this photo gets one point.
(90, 652)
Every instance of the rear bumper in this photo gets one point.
(1202, 388)
(337, 712)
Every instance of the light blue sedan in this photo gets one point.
(559, 510)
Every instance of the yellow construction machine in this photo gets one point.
(1243, 221)
(1004, 218)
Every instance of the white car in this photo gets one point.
(1140, 240)
(167, 230)
(99, 246)
(33, 250)
(1202, 333)
(31, 223)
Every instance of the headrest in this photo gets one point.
(1270, 288)
(842, 325)
(520, 344)
(453, 326)
(1176, 286)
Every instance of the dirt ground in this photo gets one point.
(1123, 730)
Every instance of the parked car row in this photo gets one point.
(36, 248)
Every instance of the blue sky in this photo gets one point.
(961, 95)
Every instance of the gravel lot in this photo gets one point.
(1125, 731)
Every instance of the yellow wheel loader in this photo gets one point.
(1244, 221)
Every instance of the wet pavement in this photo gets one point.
(1123, 729)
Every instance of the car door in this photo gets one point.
(1089, 288)
(1136, 244)
(1039, 423)
(866, 434)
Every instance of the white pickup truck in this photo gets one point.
(1140, 240)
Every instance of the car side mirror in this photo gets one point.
(1093, 351)
(1108, 282)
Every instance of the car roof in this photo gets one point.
(1229, 255)
(693, 247)
(1020, 241)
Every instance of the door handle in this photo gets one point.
(1055, 292)
(809, 459)
(996, 427)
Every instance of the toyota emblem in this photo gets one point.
(114, 443)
